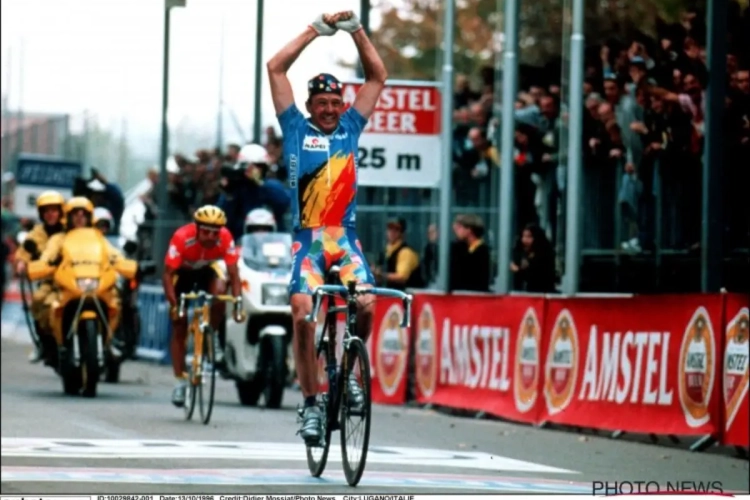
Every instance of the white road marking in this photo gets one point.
(150, 449)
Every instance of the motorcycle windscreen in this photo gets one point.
(84, 255)
(270, 252)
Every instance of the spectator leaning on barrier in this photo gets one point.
(470, 256)
(402, 262)
(533, 263)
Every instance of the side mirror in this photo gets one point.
(130, 247)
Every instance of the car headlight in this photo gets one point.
(87, 284)
(275, 295)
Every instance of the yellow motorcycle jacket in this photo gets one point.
(38, 235)
(52, 254)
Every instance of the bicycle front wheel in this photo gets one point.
(207, 387)
(191, 386)
(356, 416)
(317, 456)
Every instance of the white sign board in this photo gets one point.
(36, 174)
(400, 147)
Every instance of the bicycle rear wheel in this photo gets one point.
(354, 455)
(208, 376)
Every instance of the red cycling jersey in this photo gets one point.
(185, 251)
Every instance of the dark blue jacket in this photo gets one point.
(248, 196)
(114, 201)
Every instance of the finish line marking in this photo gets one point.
(149, 449)
(273, 477)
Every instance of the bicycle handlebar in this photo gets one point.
(184, 297)
(351, 291)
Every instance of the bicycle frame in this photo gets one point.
(349, 293)
(201, 318)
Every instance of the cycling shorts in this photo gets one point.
(187, 280)
(314, 251)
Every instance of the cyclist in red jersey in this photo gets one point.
(191, 261)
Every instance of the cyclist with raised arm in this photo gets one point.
(321, 152)
(191, 260)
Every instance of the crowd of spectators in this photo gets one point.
(643, 141)
(202, 178)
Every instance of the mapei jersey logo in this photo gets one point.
(173, 253)
(526, 377)
(313, 143)
(736, 366)
(391, 354)
(696, 369)
(561, 366)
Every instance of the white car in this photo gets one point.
(258, 351)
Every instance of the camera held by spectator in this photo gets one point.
(252, 165)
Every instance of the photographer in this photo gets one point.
(102, 194)
(246, 187)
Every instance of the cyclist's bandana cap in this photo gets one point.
(324, 84)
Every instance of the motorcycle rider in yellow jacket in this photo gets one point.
(79, 213)
(49, 204)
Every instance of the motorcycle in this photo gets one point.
(82, 318)
(257, 351)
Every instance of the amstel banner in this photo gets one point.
(479, 353)
(388, 347)
(735, 372)
(638, 364)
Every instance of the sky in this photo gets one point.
(105, 56)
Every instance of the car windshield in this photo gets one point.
(267, 251)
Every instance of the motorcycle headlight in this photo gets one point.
(275, 295)
(87, 284)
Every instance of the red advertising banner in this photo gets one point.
(401, 109)
(388, 347)
(736, 374)
(640, 364)
(479, 353)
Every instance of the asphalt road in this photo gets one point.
(131, 440)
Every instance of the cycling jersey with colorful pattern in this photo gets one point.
(322, 169)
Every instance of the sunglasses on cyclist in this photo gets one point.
(209, 231)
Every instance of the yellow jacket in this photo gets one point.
(408, 260)
(39, 236)
(54, 247)
(115, 255)
(116, 258)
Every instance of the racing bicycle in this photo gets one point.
(337, 414)
(202, 369)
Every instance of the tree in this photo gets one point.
(409, 38)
